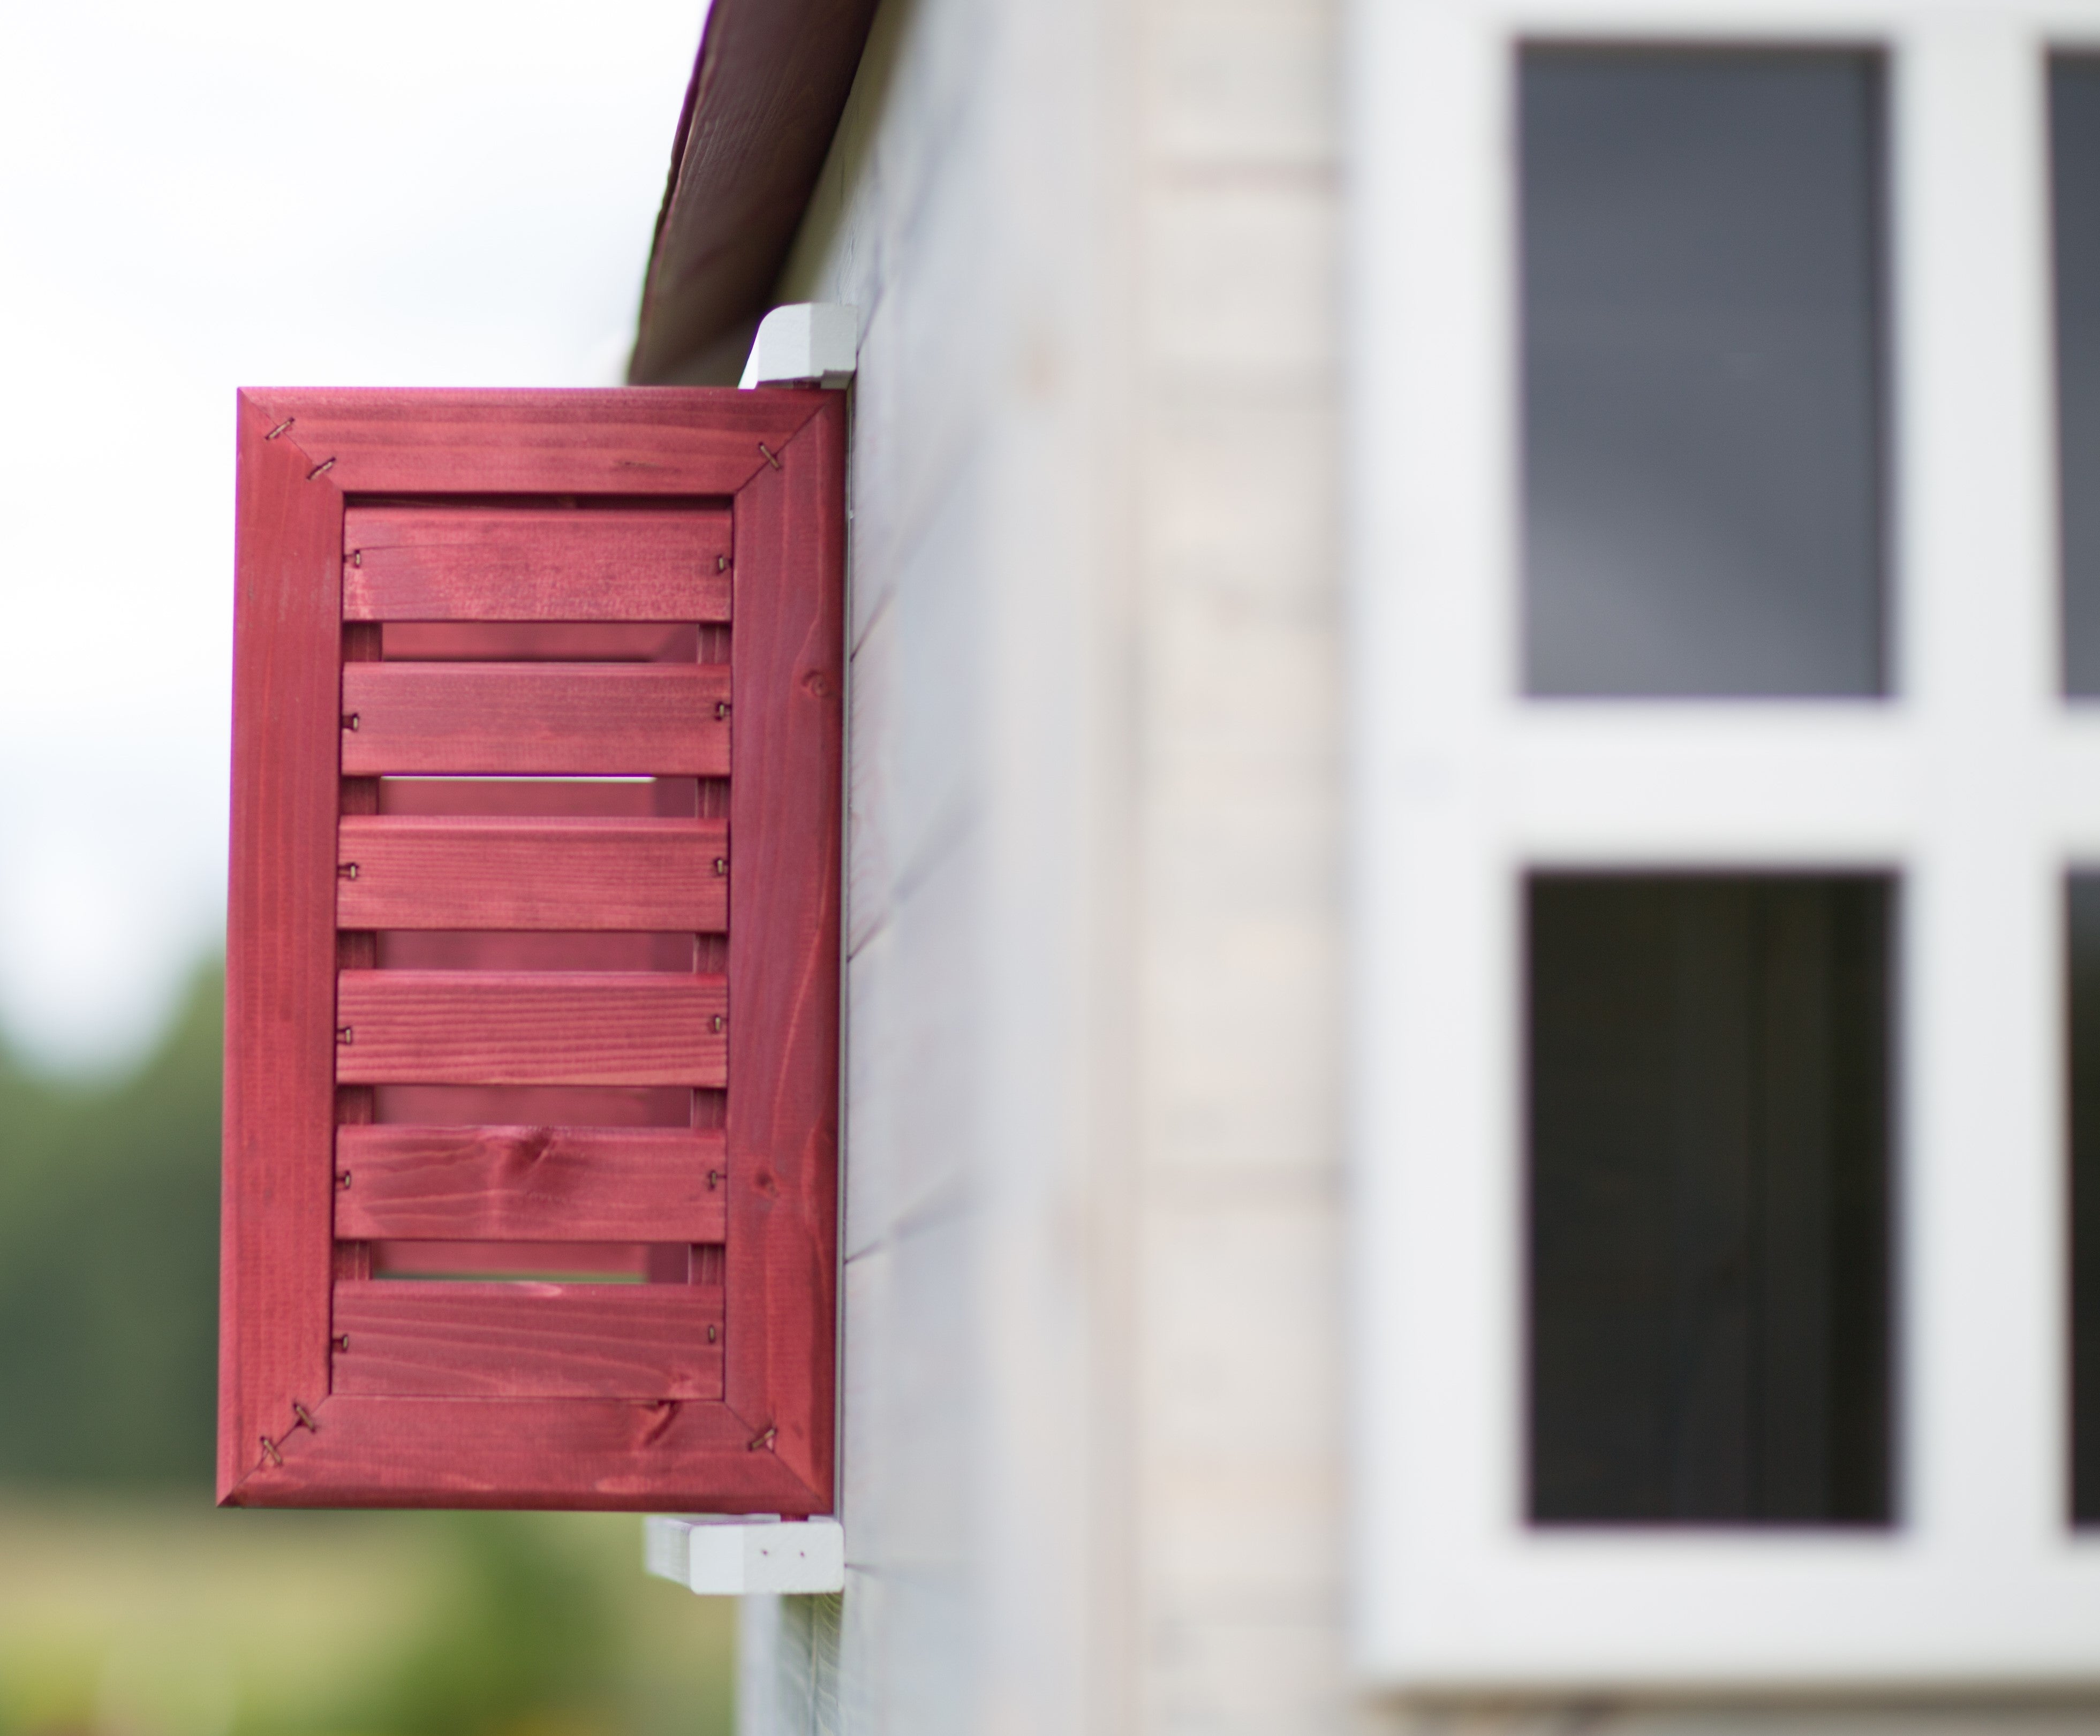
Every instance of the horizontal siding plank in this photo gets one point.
(530, 1027)
(529, 1184)
(435, 1339)
(552, 720)
(551, 874)
(535, 564)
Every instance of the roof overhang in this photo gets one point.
(770, 81)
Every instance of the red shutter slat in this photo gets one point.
(439, 1339)
(530, 1183)
(579, 720)
(476, 873)
(531, 1027)
(520, 564)
(519, 676)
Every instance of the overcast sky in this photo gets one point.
(450, 192)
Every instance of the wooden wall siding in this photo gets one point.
(1095, 575)
(474, 984)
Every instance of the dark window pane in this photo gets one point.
(2084, 972)
(2074, 107)
(1702, 398)
(1709, 1224)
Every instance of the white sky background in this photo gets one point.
(193, 198)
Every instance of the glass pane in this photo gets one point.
(1702, 396)
(2075, 147)
(2084, 996)
(1709, 1200)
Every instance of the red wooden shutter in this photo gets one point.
(532, 990)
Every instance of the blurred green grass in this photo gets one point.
(129, 1607)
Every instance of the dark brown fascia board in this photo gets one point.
(770, 83)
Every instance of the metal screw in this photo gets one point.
(357, 558)
(270, 1451)
(345, 1034)
(342, 1341)
(711, 1335)
(343, 1180)
(721, 865)
(722, 563)
(765, 451)
(717, 1023)
(766, 1439)
(714, 1178)
(346, 871)
(350, 720)
(722, 710)
(281, 428)
(306, 1419)
(326, 464)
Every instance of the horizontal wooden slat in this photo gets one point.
(518, 1340)
(416, 563)
(530, 1184)
(554, 719)
(531, 874)
(528, 1027)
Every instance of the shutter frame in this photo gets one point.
(778, 457)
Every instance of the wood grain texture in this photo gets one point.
(530, 1183)
(474, 563)
(279, 1110)
(436, 1339)
(532, 873)
(528, 1027)
(621, 1455)
(788, 654)
(666, 440)
(554, 719)
(549, 1263)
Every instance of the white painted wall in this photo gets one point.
(1094, 1451)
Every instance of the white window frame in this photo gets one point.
(1974, 784)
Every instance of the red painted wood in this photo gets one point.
(521, 1028)
(532, 873)
(512, 1050)
(437, 1339)
(618, 1454)
(663, 440)
(557, 720)
(788, 655)
(544, 642)
(530, 1183)
(280, 947)
(479, 563)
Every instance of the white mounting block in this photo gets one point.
(805, 343)
(728, 1557)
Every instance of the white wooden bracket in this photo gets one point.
(729, 1556)
(805, 343)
